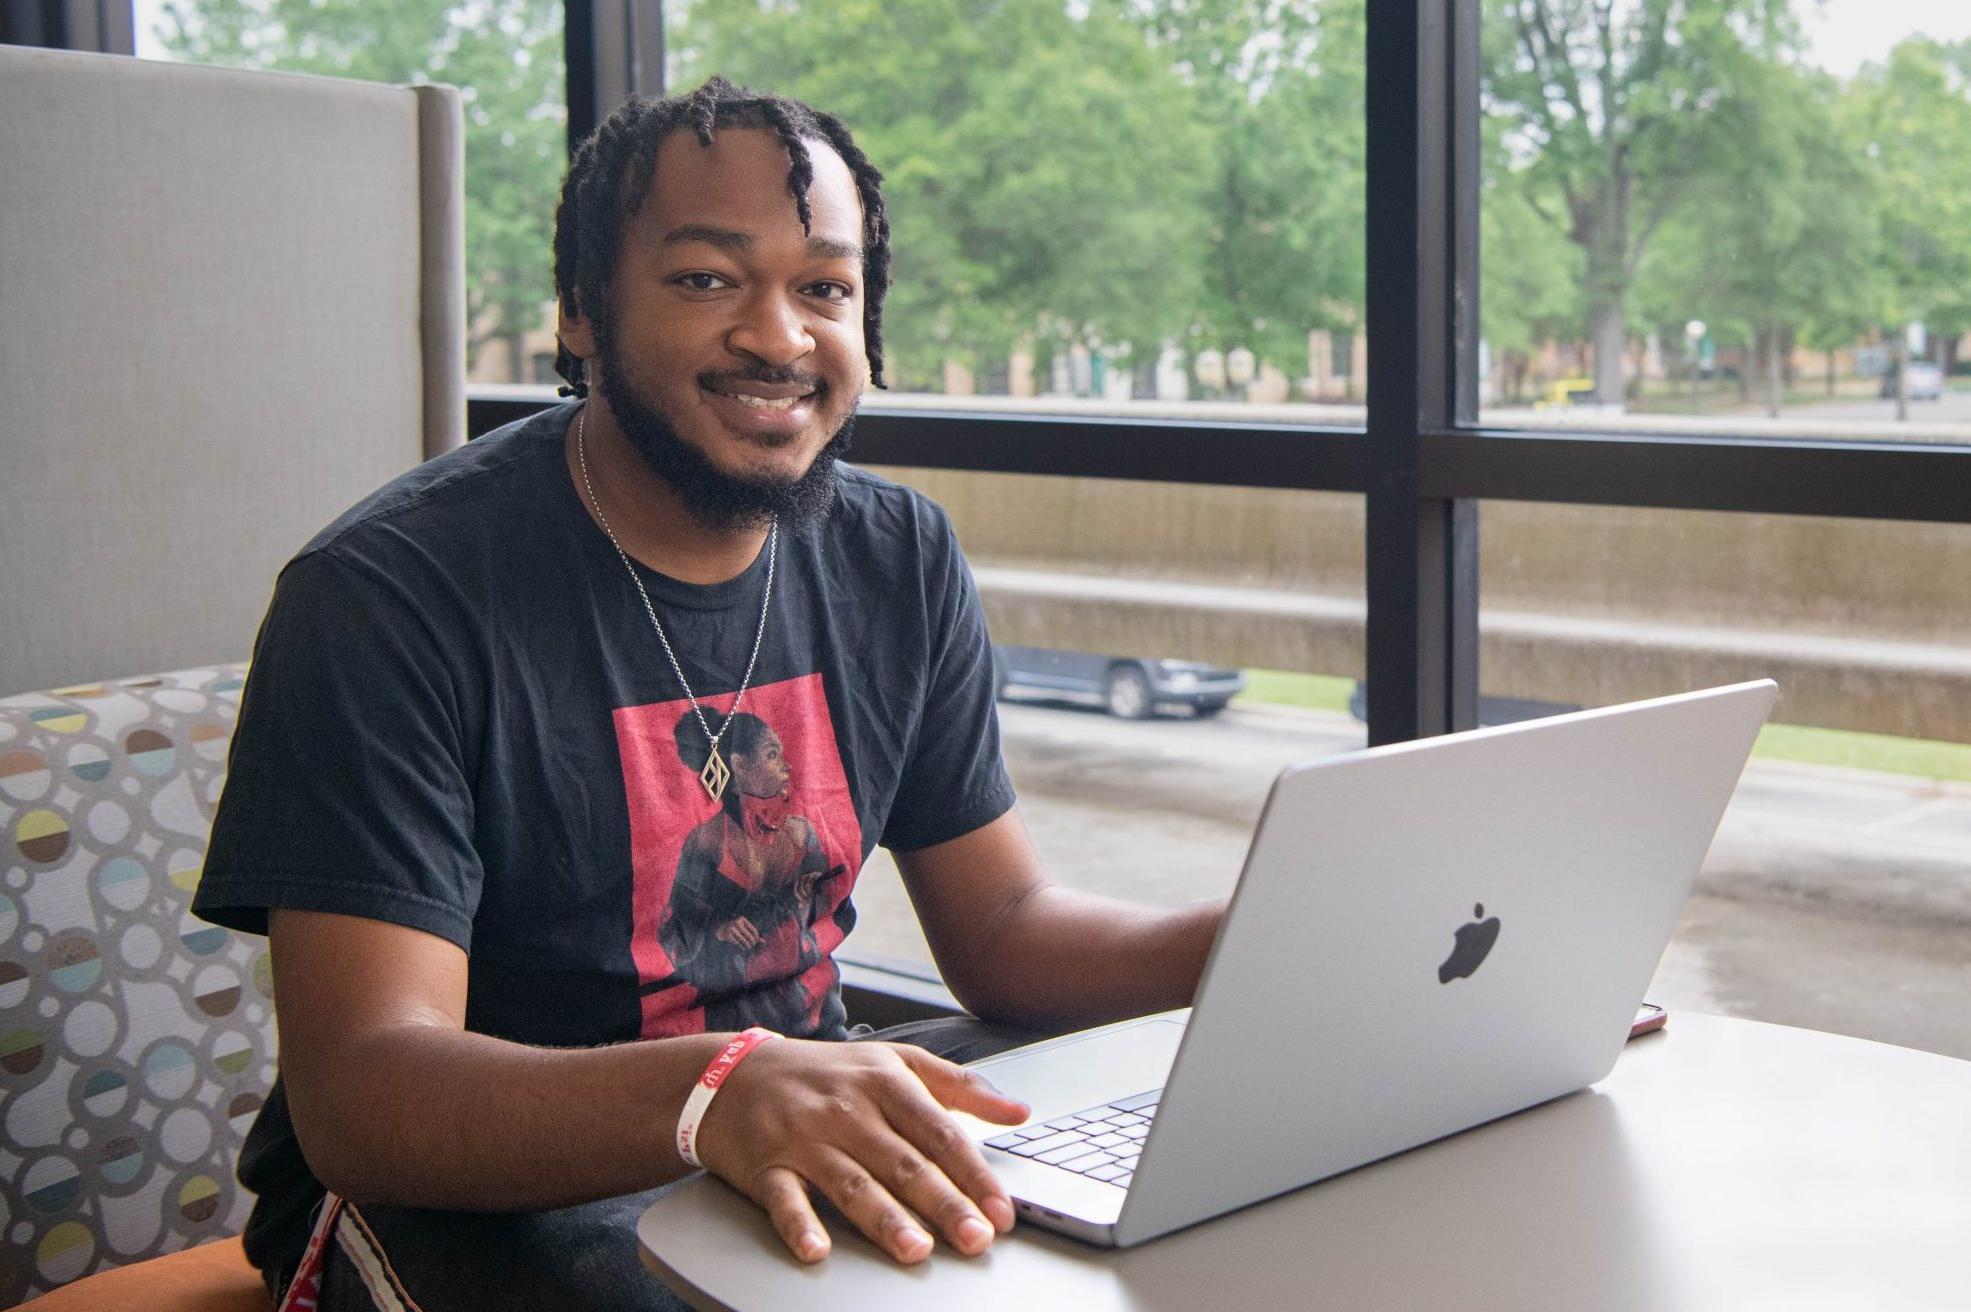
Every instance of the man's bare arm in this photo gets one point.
(394, 1101)
(1013, 946)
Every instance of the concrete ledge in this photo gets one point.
(1912, 689)
(1266, 628)
(1865, 624)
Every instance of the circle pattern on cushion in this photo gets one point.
(130, 1065)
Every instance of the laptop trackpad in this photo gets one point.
(1079, 1070)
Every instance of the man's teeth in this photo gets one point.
(766, 402)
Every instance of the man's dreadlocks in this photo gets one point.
(612, 174)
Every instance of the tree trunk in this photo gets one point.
(516, 354)
(1772, 372)
(1902, 375)
(1605, 328)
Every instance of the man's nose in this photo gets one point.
(772, 329)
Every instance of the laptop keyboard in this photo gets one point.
(1101, 1143)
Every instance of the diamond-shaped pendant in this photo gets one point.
(715, 775)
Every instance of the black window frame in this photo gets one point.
(104, 27)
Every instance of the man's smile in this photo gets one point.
(766, 409)
(765, 402)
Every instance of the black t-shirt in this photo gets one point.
(459, 718)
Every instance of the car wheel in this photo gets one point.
(1128, 693)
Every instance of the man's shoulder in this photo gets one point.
(459, 491)
(891, 549)
(869, 506)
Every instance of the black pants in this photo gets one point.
(572, 1258)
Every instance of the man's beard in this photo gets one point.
(716, 499)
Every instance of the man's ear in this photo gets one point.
(575, 330)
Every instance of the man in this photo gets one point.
(468, 771)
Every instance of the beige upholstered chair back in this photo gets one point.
(231, 304)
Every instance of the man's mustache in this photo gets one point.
(783, 376)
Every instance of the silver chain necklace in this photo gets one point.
(716, 774)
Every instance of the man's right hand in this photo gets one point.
(866, 1125)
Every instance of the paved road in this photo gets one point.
(1832, 899)
(1951, 408)
(1860, 418)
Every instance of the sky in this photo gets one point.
(1843, 35)
(146, 16)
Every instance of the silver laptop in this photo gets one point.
(1426, 936)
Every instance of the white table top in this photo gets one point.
(1725, 1164)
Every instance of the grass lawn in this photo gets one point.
(1777, 742)
(1866, 751)
(1322, 692)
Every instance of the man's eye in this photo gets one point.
(700, 282)
(832, 291)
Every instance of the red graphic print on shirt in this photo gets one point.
(736, 901)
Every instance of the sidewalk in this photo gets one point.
(1885, 845)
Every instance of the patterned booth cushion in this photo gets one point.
(136, 1042)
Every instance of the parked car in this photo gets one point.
(1128, 686)
(1926, 382)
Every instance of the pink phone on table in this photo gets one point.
(1649, 1018)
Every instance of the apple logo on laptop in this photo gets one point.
(1474, 942)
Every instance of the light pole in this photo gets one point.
(1693, 335)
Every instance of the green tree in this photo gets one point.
(506, 58)
(1913, 115)
(1279, 85)
(1041, 162)
(1784, 244)
(1530, 285)
(1618, 110)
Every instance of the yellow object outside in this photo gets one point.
(1564, 391)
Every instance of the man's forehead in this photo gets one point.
(734, 194)
(741, 242)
